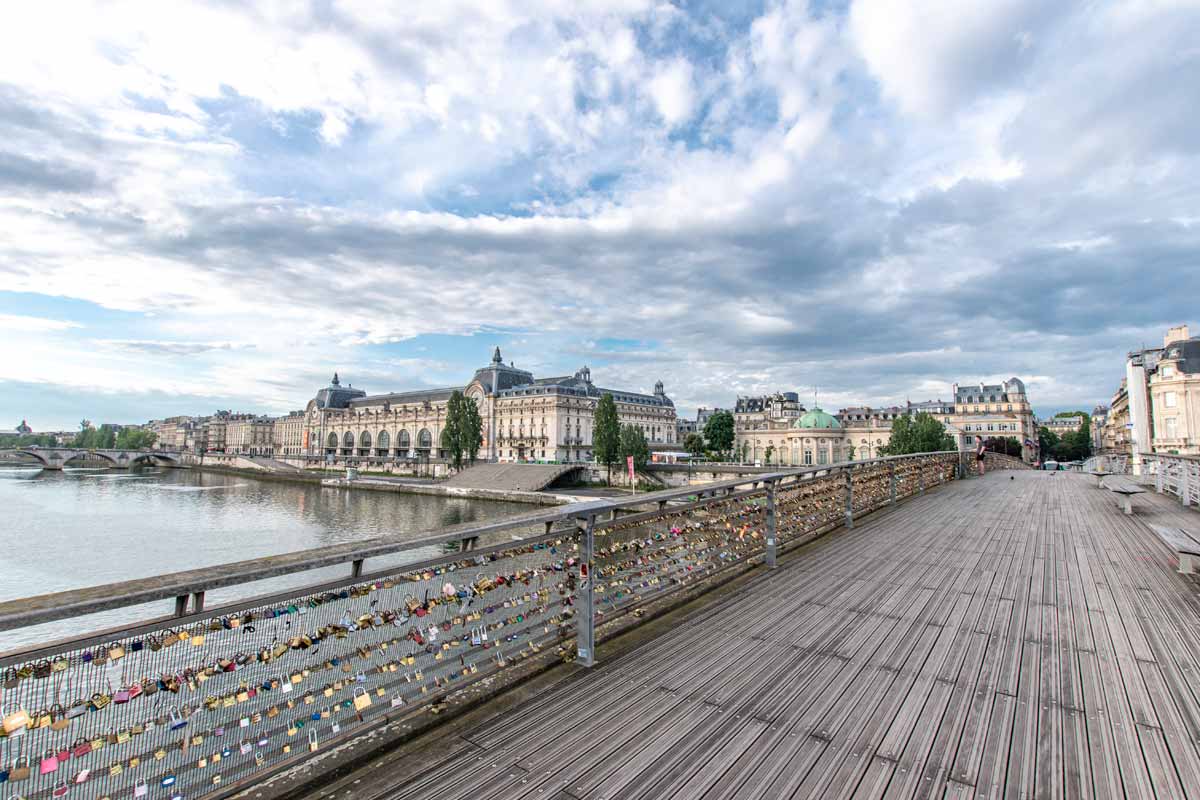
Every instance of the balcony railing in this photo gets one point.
(214, 699)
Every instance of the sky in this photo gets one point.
(217, 205)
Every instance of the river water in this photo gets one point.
(85, 527)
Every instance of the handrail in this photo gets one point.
(76, 602)
(1179, 456)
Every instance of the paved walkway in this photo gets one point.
(1016, 636)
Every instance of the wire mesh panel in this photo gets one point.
(183, 709)
(637, 561)
(809, 505)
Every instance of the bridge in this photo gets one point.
(56, 458)
(889, 628)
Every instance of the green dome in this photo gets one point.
(817, 419)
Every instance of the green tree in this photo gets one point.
(1047, 442)
(694, 443)
(86, 438)
(1065, 414)
(770, 452)
(1007, 445)
(633, 443)
(718, 431)
(606, 434)
(454, 428)
(135, 439)
(921, 433)
(745, 451)
(472, 428)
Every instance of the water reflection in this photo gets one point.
(83, 527)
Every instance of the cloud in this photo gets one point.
(17, 322)
(878, 200)
(165, 348)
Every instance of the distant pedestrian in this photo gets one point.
(979, 455)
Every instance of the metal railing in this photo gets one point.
(1177, 475)
(206, 701)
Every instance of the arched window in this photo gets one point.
(383, 443)
(331, 443)
(424, 439)
(403, 443)
(348, 444)
(364, 444)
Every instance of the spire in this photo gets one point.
(496, 356)
(335, 381)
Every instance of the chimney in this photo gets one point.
(1179, 333)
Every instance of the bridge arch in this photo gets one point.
(34, 454)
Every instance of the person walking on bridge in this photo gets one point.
(980, 451)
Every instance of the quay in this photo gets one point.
(887, 628)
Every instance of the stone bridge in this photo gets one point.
(59, 457)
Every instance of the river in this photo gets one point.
(85, 527)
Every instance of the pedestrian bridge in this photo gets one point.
(59, 457)
(878, 629)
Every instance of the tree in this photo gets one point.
(633, 443)
(1007, 445)
(462, 435)
(1047, 442)
(472, 428)
(135, 439)
(921, 433)
(606, 433)
(770, 452)
(452, 431)
(745, 451)
(719, 431)
(694, 443)
(86, 438)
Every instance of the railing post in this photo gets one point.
(771, 546)
(585, 608)
(849, 499)
(891, 483)
(921, 477)
(1185, 480)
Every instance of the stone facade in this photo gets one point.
(1174, 387)
(524, 418)
(985, 411)
(248, 435)
(287, 434)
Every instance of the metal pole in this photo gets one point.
(891, 483)
(849, 499)
(771, 546)
(585, 608)
(920, 476)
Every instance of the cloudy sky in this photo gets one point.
(216, 205)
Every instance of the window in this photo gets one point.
(1167, 371)
(1169, 399)
(1172, 427)
(808, 457)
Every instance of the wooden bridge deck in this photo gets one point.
(994, 638)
